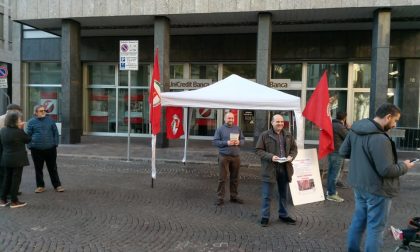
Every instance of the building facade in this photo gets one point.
(371, 50)
(9, 56)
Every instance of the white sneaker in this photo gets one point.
(40, 189)
(335, 198)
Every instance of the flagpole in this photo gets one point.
(184, 159)
(129, 115)
(153, 158)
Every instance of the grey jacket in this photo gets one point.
(267, 146)
(222, 136)
(374, 166)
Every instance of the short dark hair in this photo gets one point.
(12, 118)
(341, 115)
(13, 106)
(387, 108)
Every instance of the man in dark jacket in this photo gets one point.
(335, 161)
(228, 138)
(373, 174)
(43, 148)
(275, 147)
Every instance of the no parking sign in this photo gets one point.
(3, 77)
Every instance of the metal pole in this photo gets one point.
(129, 115)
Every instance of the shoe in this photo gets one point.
(3, 203)
(59, 189)
(287, 220)
(264, 222)
(219, 202)
(341, 185)
(236, 200)
(40, 189)
(17, 204)
(335, 198)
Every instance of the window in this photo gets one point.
(246, 117)
(108, 99)
(204, 72)
(337, 86)
(247, 71)
(44, 73)
(337, 75)
(176, 71)
(44, 88)
(101, 74)
(362, 75)
(138, 78)
(287, 71)
(204, 120)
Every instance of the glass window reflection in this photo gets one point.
(337, 74)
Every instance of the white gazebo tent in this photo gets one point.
(235, 92)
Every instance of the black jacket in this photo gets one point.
(12, 147)
(340, 133)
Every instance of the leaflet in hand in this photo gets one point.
(281, 160)
(234, 136)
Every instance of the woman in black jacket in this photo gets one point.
(13, 157)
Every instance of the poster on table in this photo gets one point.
(306, 185)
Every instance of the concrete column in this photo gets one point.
(162, 41)
(263, 67)
(71, 80)
(380, 59)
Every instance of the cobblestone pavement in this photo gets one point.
(109, 205)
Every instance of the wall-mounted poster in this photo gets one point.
(306, 185)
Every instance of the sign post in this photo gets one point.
(129, 57)
(3, 77)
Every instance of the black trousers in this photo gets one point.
(48, 156)
(11, 182)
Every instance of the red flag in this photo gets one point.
(154, 97)
(317, 110)
(174, 128)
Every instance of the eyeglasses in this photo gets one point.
(42, 111)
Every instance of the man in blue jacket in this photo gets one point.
(373, 174)
(228, 138)
(43, 146)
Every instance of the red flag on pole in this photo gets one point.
(317, 110)
(154, 97)
(174, 128)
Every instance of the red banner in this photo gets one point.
(154, 97)
(174, 127)
(317, 110)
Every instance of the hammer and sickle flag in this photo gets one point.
(155, 98)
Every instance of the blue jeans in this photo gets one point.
(335, 163)
(371, 214)
(267, 192)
